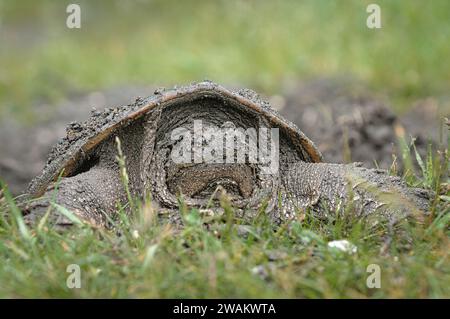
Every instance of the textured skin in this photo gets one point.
(91, 183)
(328, 187)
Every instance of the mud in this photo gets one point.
(349, 124)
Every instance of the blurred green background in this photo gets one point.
(259, 44)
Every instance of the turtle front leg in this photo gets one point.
(324, 186)
(90, 196)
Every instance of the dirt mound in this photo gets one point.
(349, 124)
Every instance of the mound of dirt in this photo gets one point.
(349, 124)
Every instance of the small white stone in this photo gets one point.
(260, 271)
(343, 245)
(135, 234)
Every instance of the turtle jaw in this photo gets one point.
(204, 184)
(202, 181)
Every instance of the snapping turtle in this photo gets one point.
(195, 141)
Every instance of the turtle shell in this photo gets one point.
(82, 138)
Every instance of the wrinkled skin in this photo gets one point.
(93, 187)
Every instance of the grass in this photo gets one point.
(220, 256)
(259, 44)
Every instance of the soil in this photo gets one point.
(348, 124)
